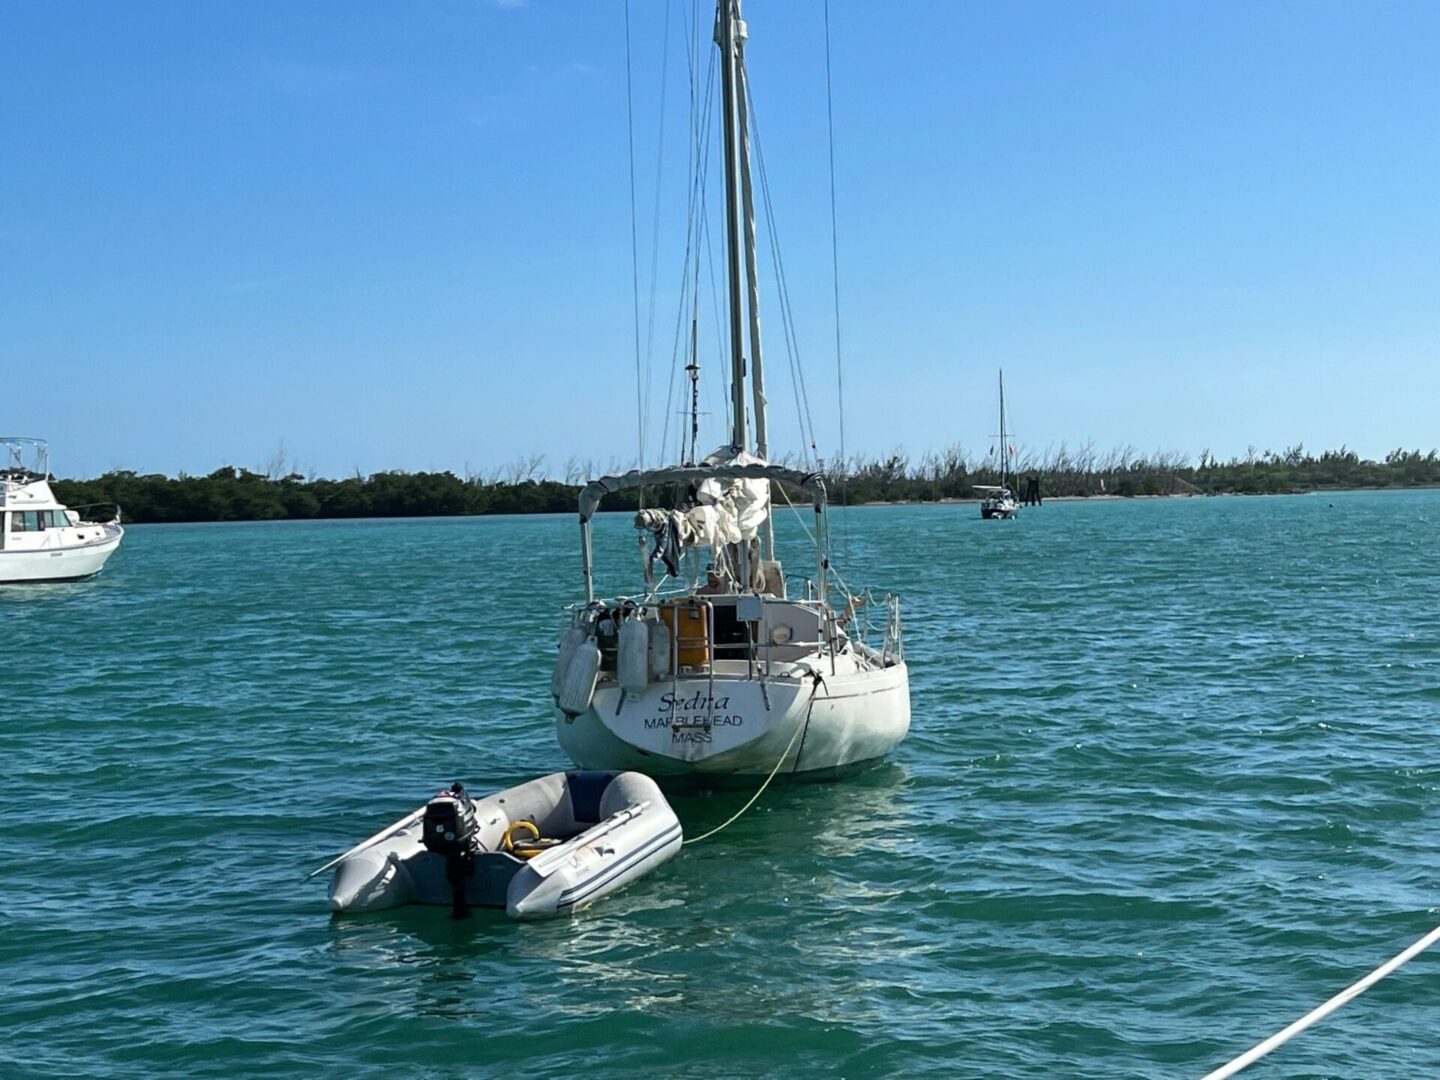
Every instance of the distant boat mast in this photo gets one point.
(1004, 445)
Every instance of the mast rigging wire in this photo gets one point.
(691, 48)
(703, 226)
(634, 254)
(694, 225)
(804, 418)
(655, 223)
(716, 387)
(835, 253)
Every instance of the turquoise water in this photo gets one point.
(1171, 783)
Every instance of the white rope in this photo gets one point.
(738, 813)
(1316, 1015)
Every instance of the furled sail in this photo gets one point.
(741, 504)
(728, 510)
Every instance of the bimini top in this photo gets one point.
(597, 489)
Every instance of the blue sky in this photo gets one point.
(398, 236)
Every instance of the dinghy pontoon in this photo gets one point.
(547, 847)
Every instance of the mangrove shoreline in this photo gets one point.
(237, 494)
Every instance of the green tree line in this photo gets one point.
(1086, 471)
(235, 494)
(231, 494)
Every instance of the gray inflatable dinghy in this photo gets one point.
(547, 847)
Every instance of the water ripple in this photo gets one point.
(1166, 789)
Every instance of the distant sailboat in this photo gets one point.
(1000, 501)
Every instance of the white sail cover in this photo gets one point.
(754, 471)
(741, 505)
(730, 509)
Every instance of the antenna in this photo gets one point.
(693, 368)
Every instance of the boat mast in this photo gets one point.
(1004, 446)
(752, 277)
(730, 35)
(727, 23)
(752, 281)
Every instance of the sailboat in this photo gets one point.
(1000, 501)
(714, 670)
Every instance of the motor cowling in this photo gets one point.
(450, 824)
(449, 829)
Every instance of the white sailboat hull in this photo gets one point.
(849, 718)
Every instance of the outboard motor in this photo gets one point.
(450, 830)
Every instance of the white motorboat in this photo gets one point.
(999, 500)
(41, 539)
(713, 669)
(551, 846)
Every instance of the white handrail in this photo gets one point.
(1315, 1015)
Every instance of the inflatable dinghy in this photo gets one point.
(548, 847)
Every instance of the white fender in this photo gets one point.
(577, 689)
(659, 649)
(633, 655)
(570, 640)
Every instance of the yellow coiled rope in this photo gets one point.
(523, 848)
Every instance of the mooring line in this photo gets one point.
(1315, 1015)
(799, 729)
